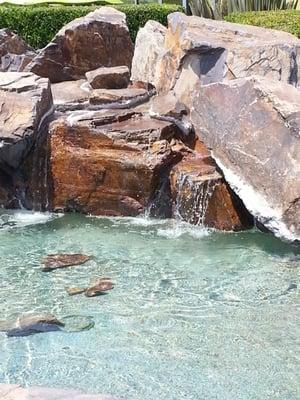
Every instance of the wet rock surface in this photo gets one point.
(56, 261)
(109, 77)
(16, 392)
(100, 39)
(256, 144)
(70, 95)
(127, 97)
(30, 325)
(15, 54)
(26, 102)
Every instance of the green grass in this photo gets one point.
(37, 24)
(287, 20)
(66, 2)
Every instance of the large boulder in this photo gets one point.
(108, 162)
(15, 53)
(100, 39)
(148, 52)
(252, 126)
(202, 50)
(25, 102)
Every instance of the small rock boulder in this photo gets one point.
(100, 39)
(126, 97)
(55, 261)
(31, 324)
(15, 54)
(252, 126)
(109, 77)
(25, 103)
(99, 287)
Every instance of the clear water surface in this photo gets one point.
(194, 315)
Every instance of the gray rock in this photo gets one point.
(100, 39)
(108, 77)
(31, 324)
(148, 52)
(252, 126)
(198, 50)
(15, 54)
(25, 102)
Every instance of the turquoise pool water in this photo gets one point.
(194, 315)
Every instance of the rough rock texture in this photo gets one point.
(148, 52)
(109, 162)
(30, 324)
(206, 51)
(55, 261)
(256, 143)
(70, 95)
(25, 102)
(201, 196)
(100, 39)
(15, 54)
(16, 392)
(129, 97)
(109, 78)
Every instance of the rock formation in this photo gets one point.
(256, 143)
(100, 39)
(25, 102)
(109, 77)
(15, 54)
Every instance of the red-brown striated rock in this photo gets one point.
(100, 39)
(201, 196)
(109, 77)
(109, 163)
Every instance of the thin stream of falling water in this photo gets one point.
(193, 199)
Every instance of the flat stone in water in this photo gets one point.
(55, 261)
(30, 324)
(73, 291)
(78, 323)
(99, 287)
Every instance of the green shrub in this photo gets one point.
(288, 20)
(38, 24)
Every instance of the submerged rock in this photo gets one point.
(99, 287)
(15, 54)
(31, 324)
(109, 77)
(99, 39)
(55, 261)
(78, 323)
(73, 291)
(25, 102)
(256, 144)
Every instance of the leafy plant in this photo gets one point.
(216, 9)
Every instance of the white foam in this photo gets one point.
(257, 205)
(179, 229)
(26, 218)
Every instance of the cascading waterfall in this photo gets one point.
(192, 198)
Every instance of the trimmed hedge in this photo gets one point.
(287, 20)
(38, 24)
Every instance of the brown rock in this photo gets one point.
(256, 144)
(15, 54)
(99, 287)
(108, 163)
(73, 291)
(100, 39)
(55, 261)
(125, 97)
(70, 95)
(25, 102)
(202, 197)
(109, 77)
